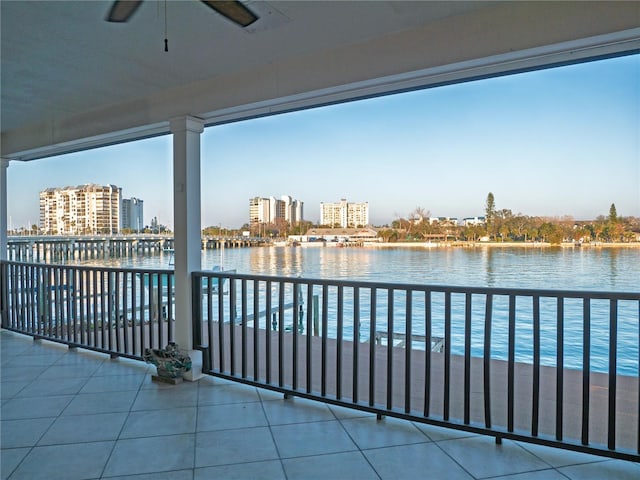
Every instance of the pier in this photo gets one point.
(58, 248)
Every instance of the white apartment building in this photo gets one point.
(132, 214)
(85, 209)
(344, 214)
(268, 210)
(292, 209)
(259, 209)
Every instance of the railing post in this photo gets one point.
(560, 369)
(4, 165)
(196, 307)
(316, 316)
(586, 368)
(4, 304)
(613, 362)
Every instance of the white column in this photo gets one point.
(187, 230)
(4, 164)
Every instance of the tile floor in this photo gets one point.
(72, 414)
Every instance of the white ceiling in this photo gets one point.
(71, 80)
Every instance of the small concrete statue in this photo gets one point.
(170, 362)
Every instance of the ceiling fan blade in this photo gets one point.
(234, 10)
(122, 10)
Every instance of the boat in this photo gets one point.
(218, 269)
(171, 253)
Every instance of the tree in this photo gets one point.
(583, 233)
(419, 214)
(504, 231)
(545, 230)
(597, 230)
(301, 227)
(617, 232)
(613, 214)
(281, 226)
(531, 232)
(555, 236)
(427, 229)
(551, 232)
(388, 234)
(473, 232)
(403, 225)
(490, 212)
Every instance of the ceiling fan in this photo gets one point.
(237, 12)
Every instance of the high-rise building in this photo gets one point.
(132, 214)
(258, 210)
(292, 210)
(344, 214)
(297, 212)
(85, 209)
(269, 210)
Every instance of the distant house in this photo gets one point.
(471, 221)
(338, 235)
(443, 221)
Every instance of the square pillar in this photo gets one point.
(187, 229)
(4, 164)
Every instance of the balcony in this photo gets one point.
(278, 401)
(99, 321)
(76, 414)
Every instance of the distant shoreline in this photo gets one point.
(463, 244)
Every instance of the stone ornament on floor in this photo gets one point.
(171, 363)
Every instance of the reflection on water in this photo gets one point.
(538, 268)
(587, 269)
(606, 269)
(551, 268)
(595, 269)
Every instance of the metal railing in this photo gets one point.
(551, 367)
(116, 311)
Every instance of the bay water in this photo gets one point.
(548, 268)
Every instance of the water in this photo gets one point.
(601, 269)
(572, 269)
(587, 269)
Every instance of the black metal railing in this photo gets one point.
(117, 311)
(551, 367)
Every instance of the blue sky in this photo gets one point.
(563, 141)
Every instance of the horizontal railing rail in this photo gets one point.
(552, 367)
(110, 310)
